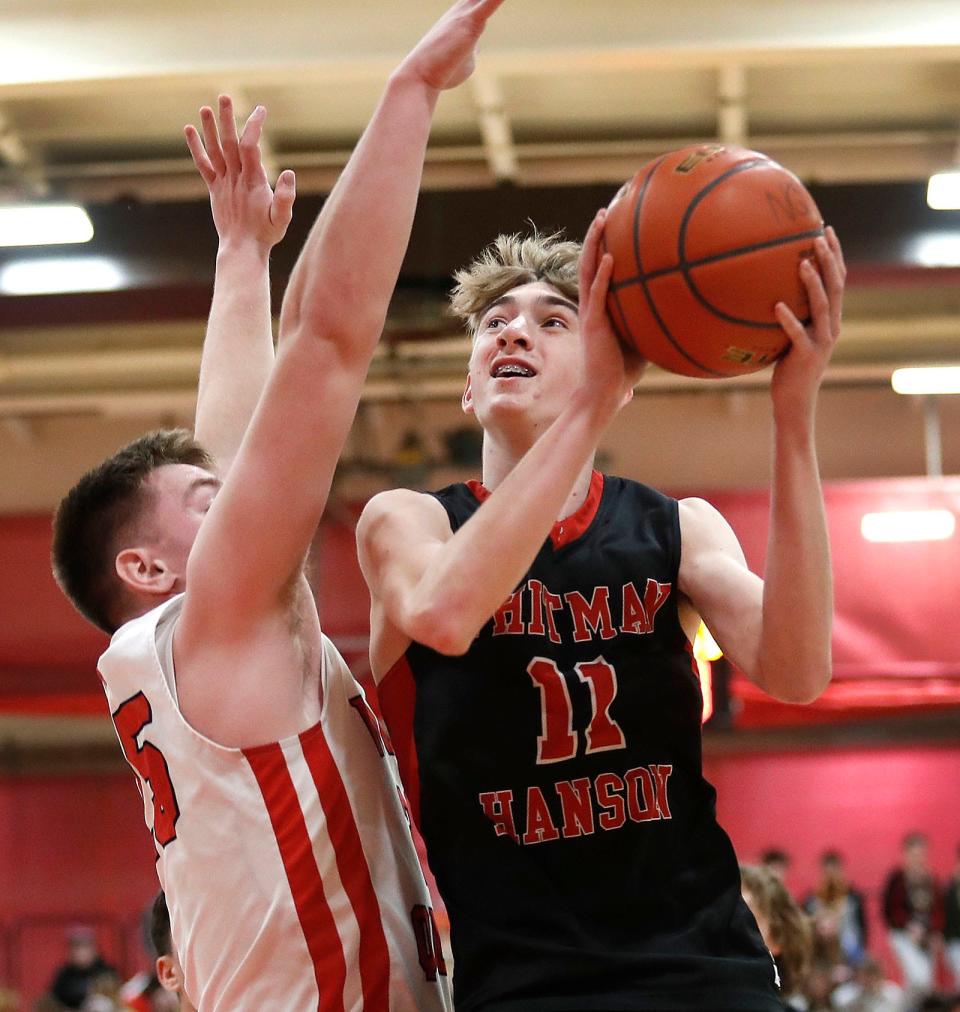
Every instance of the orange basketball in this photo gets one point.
(706, 241)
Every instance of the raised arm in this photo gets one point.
(261, 524)
(440, 588)
(250, 219)
(777, 631)
(342, 283)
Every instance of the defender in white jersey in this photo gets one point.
(291, 853)
(283, 844)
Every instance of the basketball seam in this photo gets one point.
(646, 290)
(612, 289)
(698, 295)
(682, 239)
(715, 258)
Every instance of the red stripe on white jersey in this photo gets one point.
(269, 766)
(351, 860)
(397, 693)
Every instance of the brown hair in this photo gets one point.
(510, 261)
(789, 925)
(160, 926)
(97, 511)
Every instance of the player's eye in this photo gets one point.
(554, 321)
(495, 323)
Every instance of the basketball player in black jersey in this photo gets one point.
(531, 640)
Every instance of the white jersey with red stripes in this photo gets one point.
(289, 868)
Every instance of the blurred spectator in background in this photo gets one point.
(869, 991)
(951, 922)
(74, 980)
(837, 913)
(819, 988)
(169, 971)
(776, 860)
(104, 995)
(784, 927)
(47, 1003)
(940, 1003)
(913, 911)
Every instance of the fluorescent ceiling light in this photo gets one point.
(927, 380)
(44, 225)
(943, 191)
(936, 249)
(53, 275)
(908, 525)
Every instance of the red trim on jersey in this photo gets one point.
(397, 693)
(269, 766)
(570, 528)
(479, 490)
(374, 955)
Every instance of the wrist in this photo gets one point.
(795, 424)
(596, 408)
(243, 249)
(408, 80)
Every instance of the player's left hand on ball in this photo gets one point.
(797, 376)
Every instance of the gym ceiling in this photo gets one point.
(860, 97)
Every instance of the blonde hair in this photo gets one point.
(789, 926)
(510, 261)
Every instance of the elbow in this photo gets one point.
(803, 694)
(334, 318)
(799, 685)
(441, 630)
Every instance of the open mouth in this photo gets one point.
(508, 370)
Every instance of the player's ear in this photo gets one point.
(466, 402)
(141, 570)
(168, 973)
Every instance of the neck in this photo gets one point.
(501, 456)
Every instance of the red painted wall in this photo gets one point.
(859, 801)
(894, 644)
(72, 849)
(75, 848)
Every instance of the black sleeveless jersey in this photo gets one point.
(555, 771)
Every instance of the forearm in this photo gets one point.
(237, 351)
(343, 280)
(476, 570)
(798, 586)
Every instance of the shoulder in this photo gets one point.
(400, 509)
(694, 510)
(703, 525)
(142, 629)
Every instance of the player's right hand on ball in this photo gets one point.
(611, 369)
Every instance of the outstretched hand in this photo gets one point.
(444, 57)
(245, 208)
(798, 375)
(611, 369)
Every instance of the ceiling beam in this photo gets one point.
(495, 127)
(732, 104)
(25, 174)
(842, 157)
